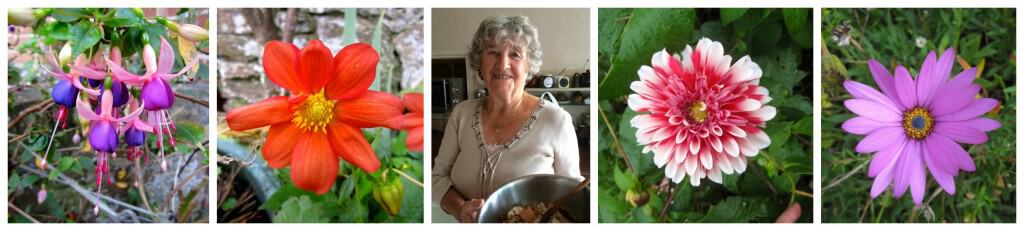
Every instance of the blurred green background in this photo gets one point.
(779, 40)
(983, 38)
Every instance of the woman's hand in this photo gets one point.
(469, 210)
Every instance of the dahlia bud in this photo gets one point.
(389, 195)
(637, 199)
(21, 16)
(193, 33)
(65, 55)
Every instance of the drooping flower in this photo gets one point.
(103, 133)
(916, 124)
(319, 122)
(700, 115)
(412, 122)
(135, 134)
(156, 94)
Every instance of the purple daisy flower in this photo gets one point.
(916, 125)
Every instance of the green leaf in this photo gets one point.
(283, 194)
(610, 23)
(65, 163)
(300, 210)
(86, 34)
(123, 17)
(68, 14)
(229, 204)
(349, 34)
(798, 23)
(731, 14)
(648, 31)
(190, 132)
(624, 180)
(736, 210)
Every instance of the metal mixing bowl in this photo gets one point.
(533, 189)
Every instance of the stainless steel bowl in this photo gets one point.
(533, 189)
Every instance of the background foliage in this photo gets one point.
(779, 41)
(983, 38)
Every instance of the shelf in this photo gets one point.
(583, 89)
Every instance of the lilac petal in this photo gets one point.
(962, 134)
(981, 123)
(952, 99)
(905, 87)
(103, 136)
(972, 110)
(938, 157)
(157, 95)
(872, 110)
(962, 158)
(945, 64)
(903, 166)
(886, 158)
(120, 93)
(943, 178)
(862, 125)
(134, 137)
(882, 181)
(64, 94)
(885, 82)
(928, 80)
(880, 139)
(963, 79)
(861, 91)
(917, 175)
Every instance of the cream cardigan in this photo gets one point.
(548, 146)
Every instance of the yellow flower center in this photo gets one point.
(315, 113)
(699, 111)
(918, 123)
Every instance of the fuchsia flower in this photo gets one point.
(103, 133)
(914, 124)
(156, 92)
(700, 115)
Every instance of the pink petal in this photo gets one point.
(981, 123)
(962, 158)
(884, 159)
(917, 175)
(882, 181)
(905, 87)
(861, 91)
(929, 79)
(862, 125)
(964, 78)
(962, 134)
(972, 110)
(904, 168)
(945, 179)
(166, 61)
(880, 139)
(872, 110)
(938, 157)
(950, 100)
(885, 82)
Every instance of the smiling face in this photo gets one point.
(504, 67)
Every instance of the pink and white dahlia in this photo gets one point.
(914, 124)
(700, 115)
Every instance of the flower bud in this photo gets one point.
(388, 194)
(41, 195)
(637, 199)
(138, 12)
(169, 24)
(21, 16)
(193, 33)
(65, 55)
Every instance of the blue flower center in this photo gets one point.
(918, 122)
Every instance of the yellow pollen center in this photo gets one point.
(918, 123)
(699, 111)
(315, 113)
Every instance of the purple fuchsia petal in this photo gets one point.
(862, 125)
(133, 137)
(157, 95)
(64, 94)
(103, 136)
(120, 93)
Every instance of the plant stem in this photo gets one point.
(615, 138)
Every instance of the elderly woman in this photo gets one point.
(507, 134)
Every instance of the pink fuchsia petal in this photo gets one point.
(885, 82)
(166, 61)
(861, 91)
(906, 87)
(884, 159)
(950, 100)
(880, 139)
(961, 134)
(872, 110)
(973, 110)
(862, 125)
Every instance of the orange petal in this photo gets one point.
(415, 140)
(281, 139)
(314, 165)
(349, 143)
(279, 63)
(315, 65)
(373, 109)
(412, 120)
(269, 111)
(355, 69)
(413, 102)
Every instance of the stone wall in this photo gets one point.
(241, 35)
